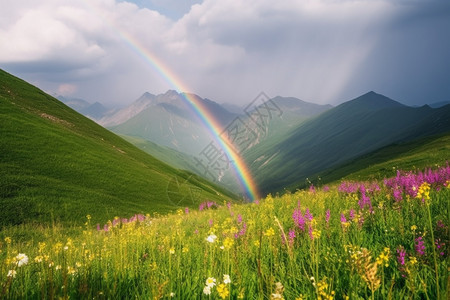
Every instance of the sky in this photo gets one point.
(321, 51)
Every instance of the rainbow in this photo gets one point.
(240, 168)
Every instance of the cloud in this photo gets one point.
(230, 50)
(66, 89)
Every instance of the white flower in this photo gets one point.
(12, 273)
(211, 238)
(210, 282)
(172, 294)
(226, 279)
(276, 296)
(22, 259)
(207, 290)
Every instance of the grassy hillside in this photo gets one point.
(56, 164)
(417, 154)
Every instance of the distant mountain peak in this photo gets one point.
(372, 101)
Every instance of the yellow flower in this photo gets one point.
(256, 243)
(424, 191)
(269, 232)
(185, 250)
(172, 250)
(228, 243)
(316, 233)
(223, 291)
(414, 228)
(8, 240)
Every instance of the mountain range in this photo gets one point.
(287, 141)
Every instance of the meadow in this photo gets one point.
(385, 239)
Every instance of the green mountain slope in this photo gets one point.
(416, 154)
(57, 164)
(345, 132)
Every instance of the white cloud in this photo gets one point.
(221, 49)
(66, 89)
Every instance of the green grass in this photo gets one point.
(56, 165)
(170, 255)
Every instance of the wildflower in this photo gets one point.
(401, 256)
(343, 219)
(327, 216)
(239, 218)
(308, 215)
(211, 238)
(172, 294)
(172, 250)
(383, 258)
(424, 192)
(185, 250)
(291, 235)
(71, 271)
(413, 260)
(420, 246)
(210, 282)
(207, 290)
(228, 243)
(11, 273)
(316, 234)
(58, 267)
(279, 289)
(313, 280)
(8, 240)
(38, 259)
(226, 279)
(299, 220)
(440, 246)
(414, 228)
(22, 259)
(223, 291)
(269, 232)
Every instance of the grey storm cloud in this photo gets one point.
(230, 50)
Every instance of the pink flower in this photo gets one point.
(420, 246)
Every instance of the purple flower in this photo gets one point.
(326, 188)
(401, 256)
(327, 216)
(420, 246)
(239, 218)
(186, 210)
(440, 246)
(308, 215)
(351, 214)
(291, 235)
(343, 219)
(310, 232)
(299, 220)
